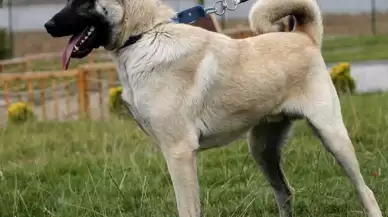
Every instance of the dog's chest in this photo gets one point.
(139, 115)
(134, 96)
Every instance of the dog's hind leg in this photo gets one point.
(321, 107)
(265, 142)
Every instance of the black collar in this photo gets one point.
(132, 40)
(135, 38)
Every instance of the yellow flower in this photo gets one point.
(19, 112)
(342, 80)
(113, 92)
(340, 69)
(345, 66)
(116, 103)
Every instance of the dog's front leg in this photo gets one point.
(181, 163)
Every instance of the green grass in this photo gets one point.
(355, 48)
(90, 168)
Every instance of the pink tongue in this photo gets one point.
(69, 49)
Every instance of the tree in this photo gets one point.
(201, 2)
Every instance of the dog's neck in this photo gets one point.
(143, 18)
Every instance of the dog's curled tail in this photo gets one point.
(265, 13)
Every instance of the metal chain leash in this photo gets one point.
(221, 6)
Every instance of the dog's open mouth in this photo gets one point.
(80, 45)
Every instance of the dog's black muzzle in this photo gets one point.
(52, 29)
(66, 22)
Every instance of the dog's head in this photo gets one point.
(107, 23)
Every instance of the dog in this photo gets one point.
(191, 89)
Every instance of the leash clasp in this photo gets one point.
(194, 13)
(221, 6)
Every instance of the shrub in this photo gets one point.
(117, 106)
(5, 51)
(19, 113)
(342, 80)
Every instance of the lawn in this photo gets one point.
(90, 168)
(355, 48)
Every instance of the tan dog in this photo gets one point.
(192, 89)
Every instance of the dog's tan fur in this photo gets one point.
(192, 89)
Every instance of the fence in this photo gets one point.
(62, 95)
(47, 61)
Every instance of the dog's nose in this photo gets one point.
(49, 24)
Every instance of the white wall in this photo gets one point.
(34, 16)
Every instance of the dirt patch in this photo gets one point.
(37, 42)
(360, 24)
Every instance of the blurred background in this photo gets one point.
(25, 18)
